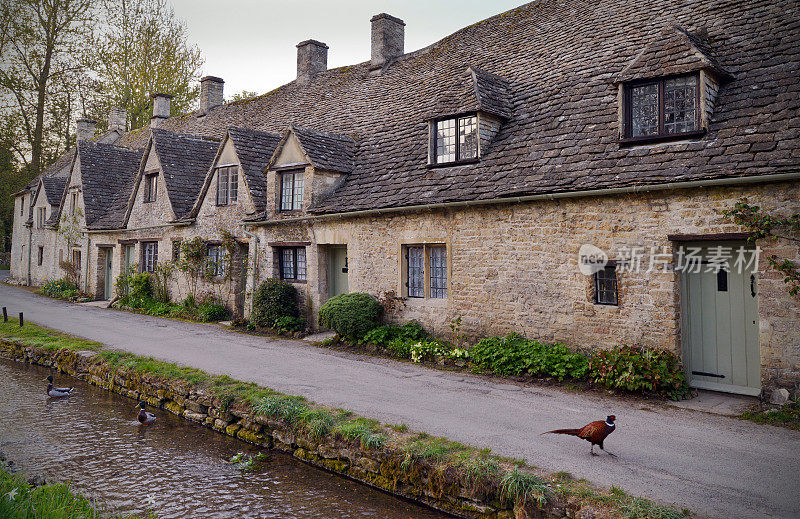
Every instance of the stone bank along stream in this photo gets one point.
(175, 468)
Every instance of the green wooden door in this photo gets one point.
(109, 281)
(338, 271)
(720, 324)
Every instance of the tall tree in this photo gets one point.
(145, 50)
(40, 44)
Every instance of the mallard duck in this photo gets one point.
(144, 417)
(57, 392)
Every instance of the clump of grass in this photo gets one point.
(638, 508)
(399, 428)
(431, 449)
(363, 430)
(290, 409)
(523, 487)
(317, 423)
(33, 335)
(47, 501)
(786, 416)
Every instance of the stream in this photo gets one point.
(174, 468)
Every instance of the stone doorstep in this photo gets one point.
(725, 404)
(319, 337)
(96, 304)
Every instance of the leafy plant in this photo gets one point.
(210, 312)
(60, 289)
(426, 350)
(516, 355)
(383, 335)
(274, 299)
(640, 369)
(351, 315)
(289, 324)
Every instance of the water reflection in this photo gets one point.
(173, 467)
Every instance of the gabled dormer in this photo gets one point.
(306, 166)
(467, 118)
(170, 177)
(669, 88)
(46, 202)
(235, 184)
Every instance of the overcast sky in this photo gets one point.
(251, 43)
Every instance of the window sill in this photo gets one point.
(295, 281)
(434, 165)
(614, 305)
(416, 302)
(635, 141)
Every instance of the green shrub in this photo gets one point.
(211, 312)
(351, 315)
(289, 324)
(274, 299)
(640, 369)
(141, 287)
(383, 335)
(516, 355)
(400, 348)
(427, 350)
(60, 289)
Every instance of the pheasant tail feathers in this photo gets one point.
(572, 432)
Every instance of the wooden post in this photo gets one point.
(21, 321)
(5, 314)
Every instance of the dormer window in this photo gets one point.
(292, 190)
(455, 139)
(227, 185)
(662, 108)
(150, 187)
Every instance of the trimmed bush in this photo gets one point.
(516, 355)
(351, 315)
(640, 369)
(274, 299)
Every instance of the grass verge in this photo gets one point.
(448, 463)
(786, 416)
(20, 500)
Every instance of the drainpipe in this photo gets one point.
(255, 264)
(86, 271)
(30, 242)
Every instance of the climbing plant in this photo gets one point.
(763, 225)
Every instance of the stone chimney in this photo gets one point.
(160, 108)
(117, 119)
(312, 58)
(210, 93)
(388, 34)
(84, 129)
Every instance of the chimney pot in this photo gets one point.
(388, 34)
(312, 58)
(161, 104)
(117, 119)
(211, 89)
(84, 129)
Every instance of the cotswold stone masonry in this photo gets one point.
(549, 86)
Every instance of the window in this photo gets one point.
(22, 206)
(292, 190)
(216, 258)
(292, 263)
(227, 185)
(176, 250)
(605, 286)
(662, 108)
(456, 139)
(41, 213)
(149, 256)
(150, 187)
(426, 262)
(74, 204)
(76, 260)
(40, 256)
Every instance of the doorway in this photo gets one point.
(338, 271)
(719, 307)
(109, 280)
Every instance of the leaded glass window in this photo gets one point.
(663, 108)
(680, 105)
(438, 268)
(222, 186)
(416, 271)
(292, 187)
(292, 263)
(227, 185)
(456, 139)
(605, 281)
(149, 256)
(216, 257)
(287, 263)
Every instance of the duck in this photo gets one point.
(144, 417)
(57, 392)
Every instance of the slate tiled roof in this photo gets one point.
(493, 93)
(185, 160)
(326, 150)
(54, 188)
(107, 174)
(254, 150)
(560, 59)
(674, 51)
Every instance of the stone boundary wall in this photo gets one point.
(378, 468)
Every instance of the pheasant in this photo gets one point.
(593, 433)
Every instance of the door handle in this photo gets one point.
(752, 285)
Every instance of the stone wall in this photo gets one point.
(380, 468)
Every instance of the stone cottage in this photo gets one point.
(559, 170)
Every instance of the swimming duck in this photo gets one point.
(57, 392)
(144, 417)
